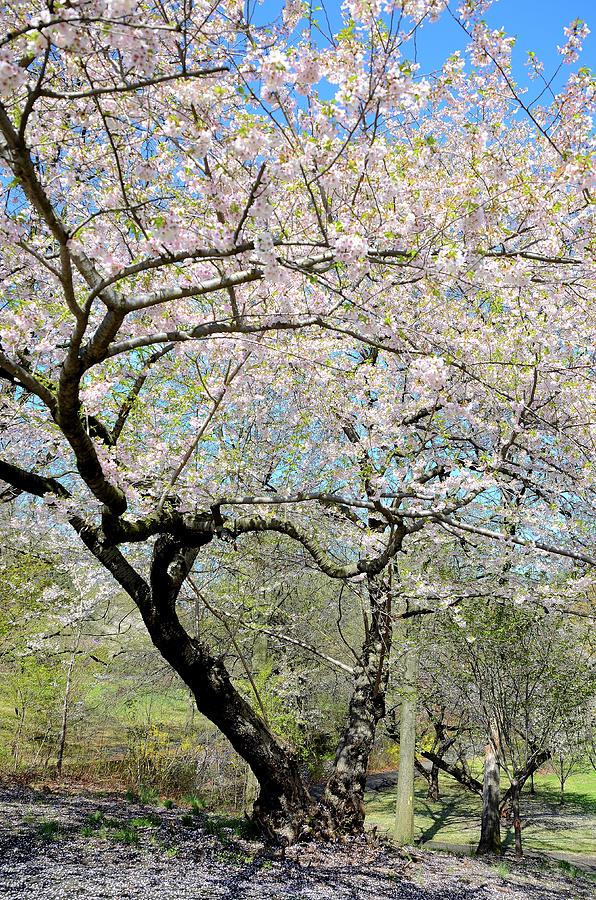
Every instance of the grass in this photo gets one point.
(569, 869)
(227, 827)
(125, 835)
(197, 804)
(49, 830)
(146, 795)
(123, 832)
(580, 791)
(455, 819)
(502, 870)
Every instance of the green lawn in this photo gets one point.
(455, 819)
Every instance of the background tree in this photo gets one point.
(404, 804)
(530, 685)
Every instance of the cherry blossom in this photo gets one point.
(250, 283)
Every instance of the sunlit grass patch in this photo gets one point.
(455, 819)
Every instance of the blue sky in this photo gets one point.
(537, 24)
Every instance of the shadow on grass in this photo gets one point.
(439, 819)
(575, 802)
(547, 825)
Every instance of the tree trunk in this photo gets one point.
(65, 708)
(433, 784)
(515, 791)
(341, 810)
(342, 806)
(404, 808)
(532, 788)
(283, 809)
(490, 832)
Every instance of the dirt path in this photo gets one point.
(57, 846)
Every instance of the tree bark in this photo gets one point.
(341, 810)
(404, 807)
(283, 809)
(434, 793)
(515, 792)
(342, 806)
(490, 831)
(65, 708)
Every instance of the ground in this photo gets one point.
(62, 845)
(567, 831)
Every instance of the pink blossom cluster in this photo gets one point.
(576, 34)
(307, 69)
(12, 77)
(431, 372)
(470, 9)
(117, 9)
(350, 247)
(421, 9)
(363, 10)
(401, 90)
(275, 71)
(489, 46)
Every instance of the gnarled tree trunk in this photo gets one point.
(490, 831)
(341, 810)
(283, 808)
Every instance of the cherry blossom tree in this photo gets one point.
(271, 279)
